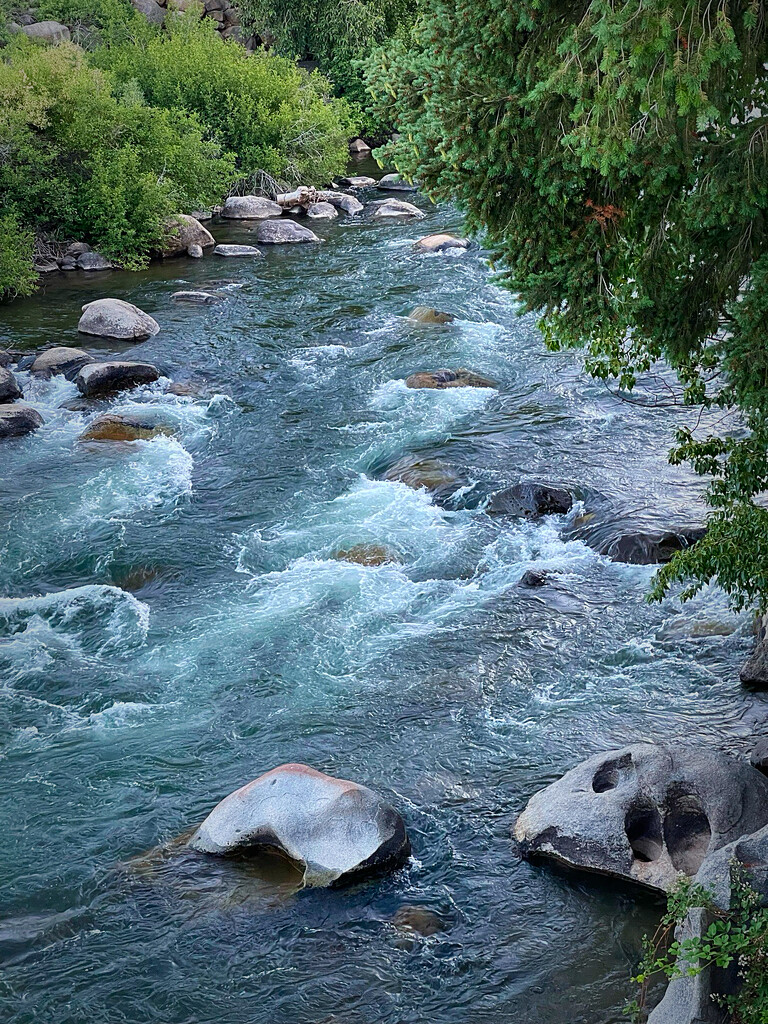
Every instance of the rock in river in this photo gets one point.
(394, 183)
(530, 500)
(386, 209)
(250, 208)
(367, 554)
(98, 378)
(183, 231)
(280, 232)
(651, 548)
(115, 318)
(441, 379)
(416, 920)
(112, 427)
(237, 250)
(430, 315)
(17, 419)
(358, 181)
(439, 243)
(63, 360)
(198, 298)
(645, 813)
(93, 261)
(754, 671)
(9, 388)
(322, 211)
(333, 828)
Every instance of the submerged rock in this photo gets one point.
(645, 813)
(184, 231)
(237, 250)
(386, 209)
(439, 243)
(9, 387)
(430, 315)
(333, 828)
(530, 500)
(115, 318)
(367, 554)
(198, 298)
(394, 183)
(322, 211)
(424, 474)
(441, 379)
(63, 360)
(98, 378)
(113, 427)
(533, 578)
(250, 208)
(418, 920)
(651, 548)
(282, 232)
(17, 419)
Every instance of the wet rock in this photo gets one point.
(759, 756)
(322, 211)
(17, 419)
(5, 357)
(417, 920)
(197, 298)
(696, 999)
(47, 32)
(357, 146)
(112, 427)
(184, 388)
(388, 209)
(63, 360)
(77, 248)
(530, 500)
(645, 813)
(532, 579)
(24, 362)
(237, 250)
(367, 554)
(9, 388)
(439, 243)
(250, 208)
(358, 181)
(137, 577)
(93, 261)
(430, 315)
(153, 12)
(115, 318)
(394, 183)
(183, 231)
(341, 201)
(651, 548)
(283, 232)
(442, 379)
(118, 375)
(68, 263)
(195, 252)
(424, 474)
(333, 828)
(754, 671)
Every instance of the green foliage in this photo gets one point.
(272, 114)
(739, 935)
(616, 157)
(338, 36)
(95, 21)
(17, 274)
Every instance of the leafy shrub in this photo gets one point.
(17, 275)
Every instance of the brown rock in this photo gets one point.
(417, 920)
(439, 243)
(429, 315)
(442, 379)
(367, 554)
(112, 427)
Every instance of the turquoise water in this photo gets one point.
(173, 623)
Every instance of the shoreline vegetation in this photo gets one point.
(613, 202)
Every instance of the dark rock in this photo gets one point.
(429, 315)
(281, 232)
(100, 378)
(651, 548)
(645, 813)
(68, 263)
(759, 756)
(394, 183)
(17, 419)
(114, 318)
(417, 920)
(530, 500)
(333, 828)
(441, 379)
(5, 357)
(237, 250)
(77, 248)
(112, 427)
(93, 261)
(532, 578)
(66, 361)
(9, 387)
(754, 672)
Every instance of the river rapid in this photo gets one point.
(173, 623)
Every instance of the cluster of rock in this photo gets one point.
(222, 12)
(649, 815)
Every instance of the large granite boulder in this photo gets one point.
(237, 250)
(387, 209)
(282, 232)
(63, 360)
(152, 11)
(117, 375)
(183, 232)
(645, 813)
(47, 32)
(530, 500)
(442, 379)
(693, 999)
(394, 183)
(250, 208)
(322, 211)
(17, 419)
(115, 318)
(334, 829)
(93, 261)
(9, 387)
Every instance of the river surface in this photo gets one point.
(173, 623)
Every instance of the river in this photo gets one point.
(173, 623)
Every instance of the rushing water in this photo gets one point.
(173, 624)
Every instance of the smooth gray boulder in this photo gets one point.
(440, 243)
(63, 360)
(198, 298)
(645, 813)
(250, 208)
(117, 375)
(394, 183)
(183, 231)
(93, 261)
(195, 251)
(9, 387)
(349, 204)
(322, 211)
(115, 318)
(334, 829)
(152, 11)
(692, 999)
(47, 31)
(17, 419)
(357, 146)
(281, 232)
(387, 209)
(236, 250)
(530, 500)
(358, 181)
